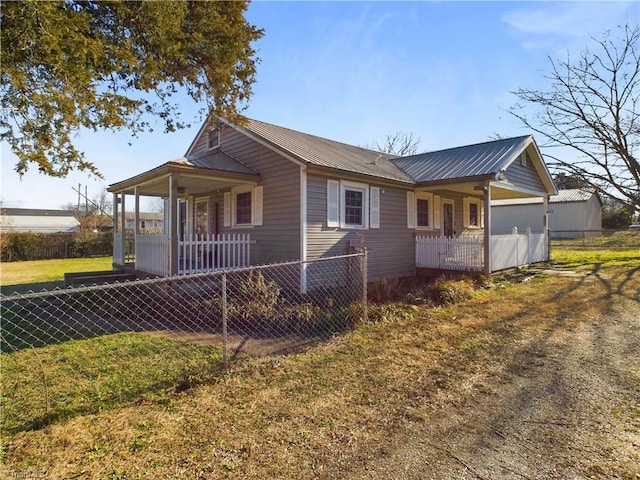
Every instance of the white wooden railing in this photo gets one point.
(204, 253)
(467, 252)
(450, 253)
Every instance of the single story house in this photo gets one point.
(37, 220)
(573, 213)
(287, 195)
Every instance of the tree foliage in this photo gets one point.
(398, 143)
(593, 107)
(115, 65)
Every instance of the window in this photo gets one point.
(243, 207)
(474, 215)
(352, 205)
(201, 221)
(472, 211)
(420, 210)
(523, 159)
(214, 138)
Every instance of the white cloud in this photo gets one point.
(571, 19)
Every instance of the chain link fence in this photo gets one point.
(77, 349)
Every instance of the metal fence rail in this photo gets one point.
(294, 302)
(66, 352)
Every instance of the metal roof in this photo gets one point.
(482, 159)
(36, 212)
(563, 196)
(215, 160)
(328, 153)
(573, 195)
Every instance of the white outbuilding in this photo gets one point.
(575, 213)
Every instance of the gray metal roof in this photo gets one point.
(328, 153)
(482, 159)
(573, 195)
(215, 160)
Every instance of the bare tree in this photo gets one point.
(592, 107)
(398, 143)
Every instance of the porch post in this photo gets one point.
(545, 226)
(487, 229)
(120, 260)
(123, 229)
(136, 219)
(173, 225)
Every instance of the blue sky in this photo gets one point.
(356, 71)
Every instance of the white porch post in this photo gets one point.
(123, 228)
(136, 221)
(173, 224)
(120, 260)
(545, 226)
(487, 229)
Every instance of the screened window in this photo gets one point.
(243, 208)
(422, 211)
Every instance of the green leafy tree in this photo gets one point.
(115, 65)
(592, 106)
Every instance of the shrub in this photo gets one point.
(445, 290)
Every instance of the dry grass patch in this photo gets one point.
(328, 412)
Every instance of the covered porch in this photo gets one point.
(189, 239)
(478, 246)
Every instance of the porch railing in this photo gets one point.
(467, 253)
(516, 249)
(450, 253)
(152, 254)
(205, 253)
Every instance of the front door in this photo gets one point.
(447, 218)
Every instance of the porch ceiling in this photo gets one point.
(499, 190)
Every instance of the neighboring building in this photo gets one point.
(37, 220)
(301, 197)
(147, 221)
(574, 213)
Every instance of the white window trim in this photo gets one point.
(217, 133)
(523, 159)
(231, 206)
(355, 186)
(466, 212)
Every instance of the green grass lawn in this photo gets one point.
(50, 384)
(39, 271)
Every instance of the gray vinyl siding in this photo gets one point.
(278, 238)
(525, 176)
(390, 247)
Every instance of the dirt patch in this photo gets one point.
(564, 404)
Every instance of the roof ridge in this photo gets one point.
(469, 145)
(391, 155)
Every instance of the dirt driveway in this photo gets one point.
(564, 404)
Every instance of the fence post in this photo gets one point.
(528, 246)
(516, 240)
(364, 284)
(225, 354)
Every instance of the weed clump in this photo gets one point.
(445, 290)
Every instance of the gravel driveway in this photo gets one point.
(564, 404)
